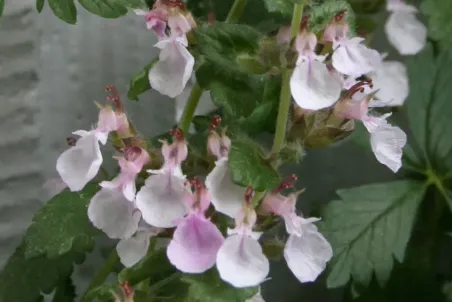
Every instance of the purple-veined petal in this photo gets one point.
(406, 33)
(195, 244)
(227, 197)
(241, 262)
(161, 200)
(112, 213)
(313, 87)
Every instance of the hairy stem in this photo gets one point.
(284, 102)
(196, 91)
(103, 273)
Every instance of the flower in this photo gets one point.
(240, 260)
(227, 197)
(196, 239)
(161, 199)
(386, 140)
(156, 19)
(311, 84)
(130, 165)
(350, 57)
(174, 68)
(306, 251)
(405, 32)
(132, 250)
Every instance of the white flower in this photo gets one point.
(112, 213)
(174, 68)
(240, 260)
(133, 249)
(405, 32)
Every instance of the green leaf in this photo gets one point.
(65, 291)
(322, 15)
(218, 47)
(208, 287)
(140, 83)
(439, 25)
(104, 293)
(65, 10)
(368, 227)
(104, 8)
(24, 279)
(429, 108)
(2, 7)
(62, 225)
(280, 6)
(39, 5)
(249, 168)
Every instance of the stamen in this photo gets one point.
(177, 134)
(305, 22)
(286, 183)
(114, 97)
(249, 193)
(216, 120)
(176, 3)
(71, 141)
(359, 87)
(340, 16)
(211, 17)
(126, 289)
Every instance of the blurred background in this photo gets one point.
(51, 73)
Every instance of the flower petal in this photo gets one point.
(313, 87)
(387, 142)
(80, 163)
(227, 197)
(406, 33)
(307, 255)
(195, 244)
(161, 200)
(391, 83)
(355, 59)
(111, 212)
(241, 262)
(174, 68)
(132, 250)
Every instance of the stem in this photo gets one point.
(196, 91)
(164, 282)
(284, 102)
(103, 273)
(190, 108)
(236, 11)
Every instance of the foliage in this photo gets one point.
(439, 27)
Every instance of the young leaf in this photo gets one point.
(322, 14)
(65, 10)
(439, 25)
(62, 225)
(39, 5)
(104, 293)
(369, 226)
(24, 279)
(104, 8)
(429, 108)
(280, 6)
(208, 287)
(65, 291)
(249, 168)
(140, 83)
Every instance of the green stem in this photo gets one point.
(284, 102)
(196, 91)
(236, 11)
(190, 107)
(164, 282)
(103, 273)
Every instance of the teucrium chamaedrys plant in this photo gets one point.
(188, 207)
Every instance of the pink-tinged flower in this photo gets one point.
(54, 186)
(218, 145)
(133, 249)
(156, 19)
(311, 84)
(240, 260)
(174, 68)
(111, 212)
(386, 140)
(405, 32)
(180, 24)
(350, 57)
(306, 251)
(161, 199)
(130, 166)
(196, 239)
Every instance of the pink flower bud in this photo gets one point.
(107, 120)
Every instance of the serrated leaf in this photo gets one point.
(140, 83)
(39, 5)
(439, 25)
(62, 225)
(208, 287)
(65, 10)
(24, 279)
(104, 8)
(369, 226)
(103, 293)
(65, 291)
(429, 108)
(322, 15)
(280, 6)
(249, 168)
